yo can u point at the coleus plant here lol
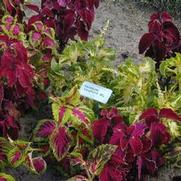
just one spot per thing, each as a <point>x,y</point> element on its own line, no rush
<point>70,135</point>
<point>81,61</point>
<point>16,81</point>
<point>71,17</point>
<point>19,153</point>
<point>71,119</point>
<point>68,17</point>
<point>171,69</point>
<point>18,8</point>
<point>138,143</point>
<point>43,49</point>
<point>163,38</point>
<point>134,83</point>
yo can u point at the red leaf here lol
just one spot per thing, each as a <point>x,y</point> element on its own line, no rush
<point>169,114</point>
<point>79,114</point>
<point>155,27</point>
<point>136,145</point>
<point>119,136</point>
<point>61,113</point>
<point>16,157</point>
<point>147,144</point>
<point>44,128</point>
<point>145,42</point>
<point>171,33</point>
<point>100,128</point>
<point>9,6</point>
<point>48,42</point>
<point>39,164</point>
<point>166,17</point>
<point>149,116</point>
<point>60,143</point>
<point>112,173</point>
<point>82,30</point>
<point>159,134</point>
<point>36,36</point>
<point>87,16</point>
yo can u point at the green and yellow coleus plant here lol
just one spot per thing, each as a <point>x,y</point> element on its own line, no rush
<point>82,61</point>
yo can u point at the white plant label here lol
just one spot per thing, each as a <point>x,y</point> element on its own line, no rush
<point>95,92</point>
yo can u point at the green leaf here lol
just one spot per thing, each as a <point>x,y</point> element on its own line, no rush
<point>37,164</point>
<point>55,110</point>
<point>5,146</point>
<point>99,157</point>
<point>171,68</point>
<point>55,67</point>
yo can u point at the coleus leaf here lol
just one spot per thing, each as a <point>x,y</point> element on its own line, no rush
<point>55,110</point>
<point>169,114</point>
<point>99,157</point>
<point>159,134</point>
<point>72,98</point>
<point>5,146</point>
<point>70,110</point>
<point>145,42</point>
<point>36,164</point>
<point>6,177</point>
<point>39,164</point>
<point>9,6</point>
<point>18,152</point>
<point>44,128</point>
<point>60,143</point>
<point>15,157</point>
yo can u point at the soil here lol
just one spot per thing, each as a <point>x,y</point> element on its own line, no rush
<point>128,23</point>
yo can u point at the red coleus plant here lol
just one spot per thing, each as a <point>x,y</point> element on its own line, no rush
<point>70,17</point>
<point>163,38</point>
<point>16,77</point>
<point>17,8</point>
<point>138,144</point>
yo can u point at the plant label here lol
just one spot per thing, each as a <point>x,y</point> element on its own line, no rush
<point>95,92</point>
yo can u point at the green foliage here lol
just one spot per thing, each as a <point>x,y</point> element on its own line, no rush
<point>82,61</point>
<point>134,87</point>
<point>138,87</point>
<point>134,83</point>
<point>171,69</point>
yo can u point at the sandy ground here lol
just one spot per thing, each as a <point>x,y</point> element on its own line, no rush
<point>127,24</point>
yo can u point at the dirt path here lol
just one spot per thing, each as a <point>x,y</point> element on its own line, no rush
<point>127,24</point>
